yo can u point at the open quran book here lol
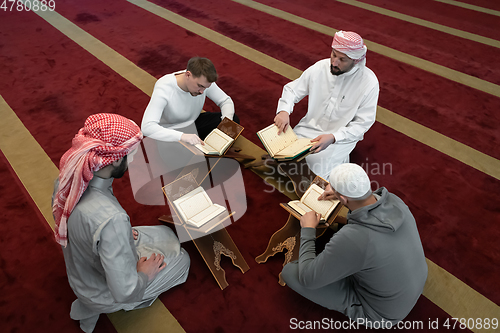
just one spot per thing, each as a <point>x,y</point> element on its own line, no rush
<point>284,146</point>
<point>216,143</point>
<point>196,207</point>
<point>221,138</point>
<point>309,202</point>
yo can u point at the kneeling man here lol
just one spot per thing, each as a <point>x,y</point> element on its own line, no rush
<point>373,269</point>
<point>110,265</point>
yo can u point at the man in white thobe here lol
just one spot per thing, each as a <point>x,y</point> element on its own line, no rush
<point>343,95</point>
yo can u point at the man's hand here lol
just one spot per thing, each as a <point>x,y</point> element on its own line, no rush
<point>310,220</point>
<point>135,233</point>
<point>152,266</point>
<point>282,120</point>
<point>192,139</point>
<point>328,194</point>
<point>321,142</point>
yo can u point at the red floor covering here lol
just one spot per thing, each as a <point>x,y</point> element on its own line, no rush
<point>53,86</point>
<point>487,4</point>
<point>35,292</point>
<point>416,94</point>
<point>456,17</point>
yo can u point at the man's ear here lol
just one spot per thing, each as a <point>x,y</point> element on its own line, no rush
<point>117,162</point>
<point>343,200</point>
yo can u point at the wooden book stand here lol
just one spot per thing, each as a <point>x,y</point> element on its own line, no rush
<point>288,237</point>
<point>212,239</point>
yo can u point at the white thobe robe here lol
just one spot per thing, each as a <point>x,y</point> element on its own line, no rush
<point>343,105</point>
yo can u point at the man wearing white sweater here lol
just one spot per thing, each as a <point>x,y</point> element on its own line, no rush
<point>177,102</point>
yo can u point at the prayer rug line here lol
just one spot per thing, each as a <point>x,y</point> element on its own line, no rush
<point>471,7</point>
<point>424,23</point>
<point>23,151</point>
<point>422,134</point>
<point>426,65</point>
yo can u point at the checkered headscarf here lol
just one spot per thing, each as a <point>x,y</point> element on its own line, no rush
<point>104,138</point>
<point>351,44</point>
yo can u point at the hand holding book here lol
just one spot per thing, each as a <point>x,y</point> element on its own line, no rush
<point>215,143</point>
<point>321,142</point>
<point>328,194</point>
<point>282,120</point>
<point>310,220</point>
<point>312,201</point>
<point>221,138</point>
<point>283,146</point>
<point>192,139</point>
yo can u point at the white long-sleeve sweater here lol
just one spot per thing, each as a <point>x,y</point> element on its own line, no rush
<point>172,108</point>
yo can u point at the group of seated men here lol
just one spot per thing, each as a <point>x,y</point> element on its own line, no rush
<point>373,268</point>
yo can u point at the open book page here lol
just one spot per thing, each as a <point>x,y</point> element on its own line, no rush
<point>295,148</point>
<point>299,207</point>
<point>192,203</point>
<point>206,149</point>
<point>206,215</point>
<point>274,142</point>
<point>196,208</point>
<point>324,207</point>
<point>218,140</point>
<point>215,143</point>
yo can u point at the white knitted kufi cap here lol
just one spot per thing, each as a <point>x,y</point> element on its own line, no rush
<point>350,179</point>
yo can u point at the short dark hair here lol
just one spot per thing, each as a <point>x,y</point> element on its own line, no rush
<point>199,66</point>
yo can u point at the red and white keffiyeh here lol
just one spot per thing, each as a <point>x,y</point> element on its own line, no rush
<point>105,138</point>
<point>351,44</point>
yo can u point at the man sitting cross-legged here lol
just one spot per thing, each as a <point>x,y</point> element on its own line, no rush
<point>373,269</point>
<point>110,265</point>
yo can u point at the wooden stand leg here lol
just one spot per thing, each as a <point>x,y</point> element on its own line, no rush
<point>287,238</point>
<point>222,237</point>
<point>212,246</point>
<point>292,245</point>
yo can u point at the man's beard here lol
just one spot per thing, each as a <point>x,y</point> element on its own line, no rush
<point>120,170</point>
<point>336,71</point>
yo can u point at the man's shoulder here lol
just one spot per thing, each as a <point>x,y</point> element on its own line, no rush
<point>352,237</point>
<point>355,229</point>
<point>318,68</point>
<point>94,203</point>
<point>369,75</point>
<point>166,85</point>
<point>320,64</point>
<point>166,80</point>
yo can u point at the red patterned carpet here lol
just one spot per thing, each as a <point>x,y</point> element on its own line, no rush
<point>52,84</point>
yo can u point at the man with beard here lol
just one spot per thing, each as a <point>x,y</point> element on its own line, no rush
<point>110,265</point>
<point>343,95</point>
<point>177,102</point>
<point>373,269</point>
